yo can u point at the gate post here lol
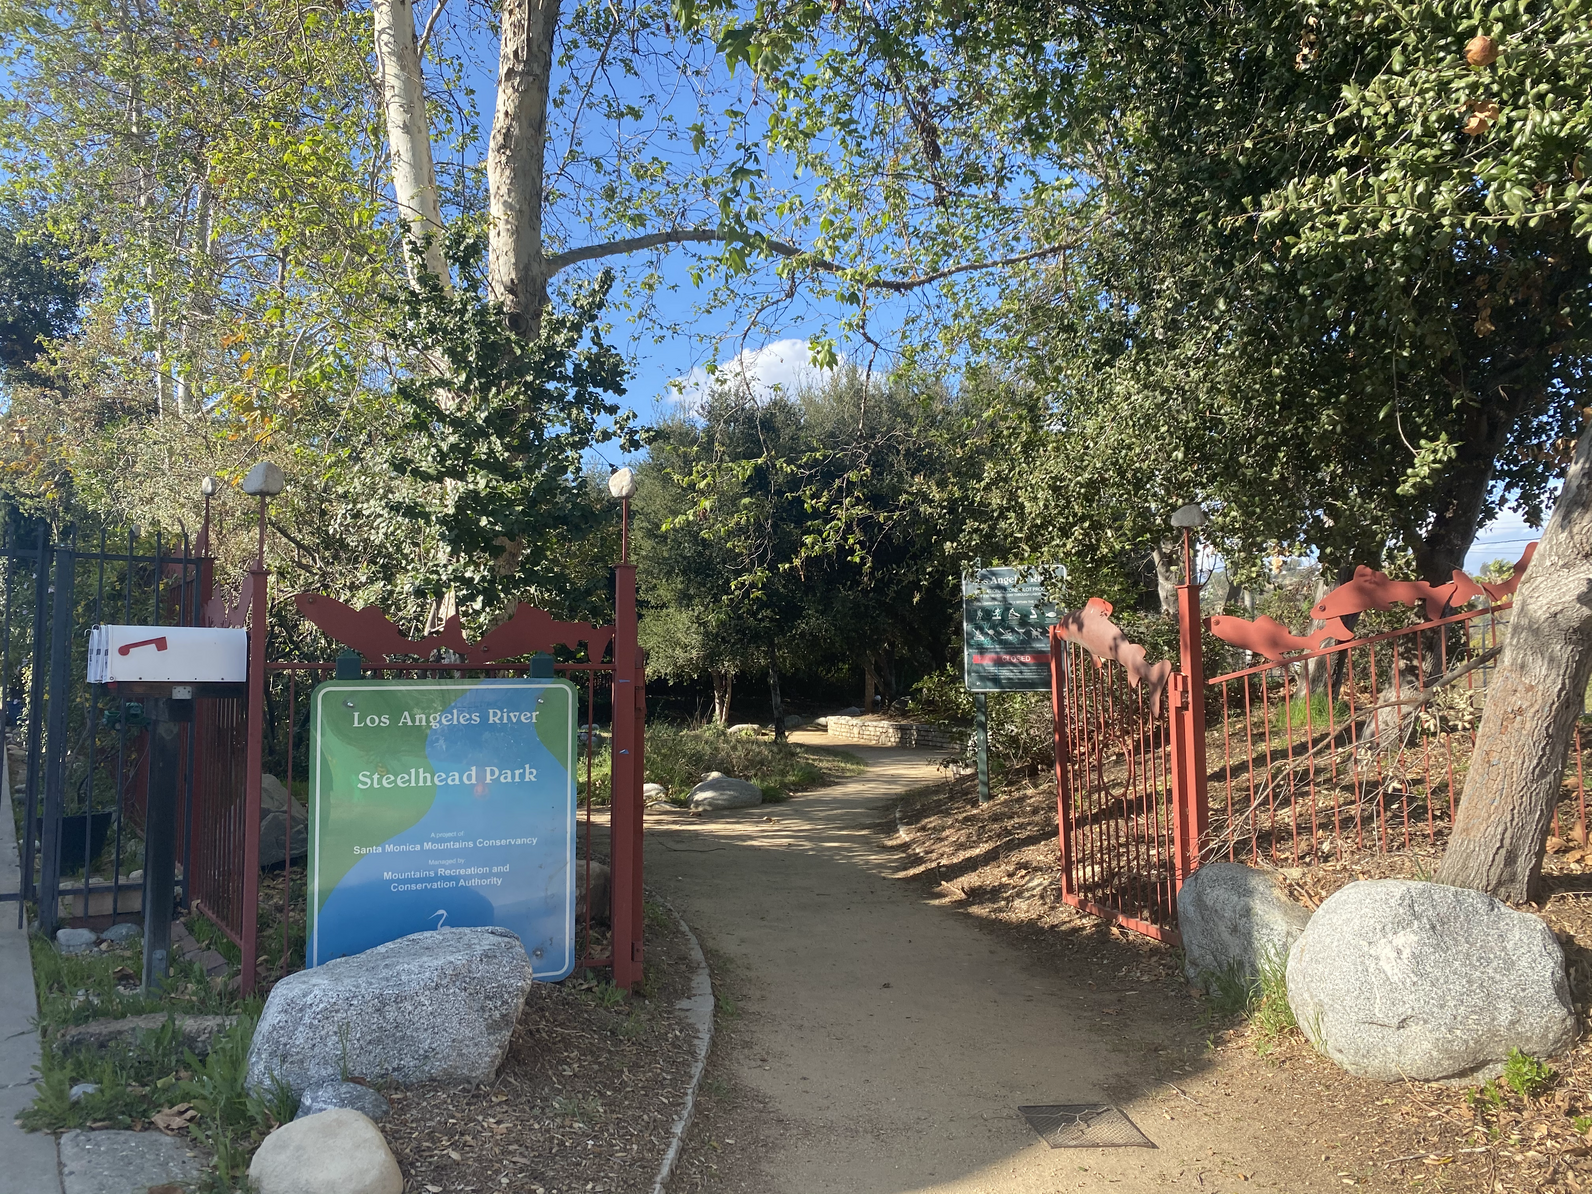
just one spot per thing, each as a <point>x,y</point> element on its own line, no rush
<point>625,825</point>
<point>1188,721</point>
<point>264,481</point>
<point>60,703</point>
<point>1058,705</point>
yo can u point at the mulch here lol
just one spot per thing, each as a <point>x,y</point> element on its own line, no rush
<point>585,1100</point>
<point>998,862</point>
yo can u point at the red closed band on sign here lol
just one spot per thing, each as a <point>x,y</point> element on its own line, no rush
<point>1045,658</point>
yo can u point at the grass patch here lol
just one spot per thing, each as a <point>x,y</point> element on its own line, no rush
<point>1262,1000</point>
<point>77,988</point>
<point>154,1071</point>
<point>1316,713</point>
<point>678,758</point>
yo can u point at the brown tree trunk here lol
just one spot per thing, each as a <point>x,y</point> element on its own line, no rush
<point>722,685</point>
<point>774,699</point>
<point>1165,558</point>
<point>870,683</point>
<point>1461,491</point>
<point>1532,706</point>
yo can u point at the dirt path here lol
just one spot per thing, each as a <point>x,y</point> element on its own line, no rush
<point>884,1044</point>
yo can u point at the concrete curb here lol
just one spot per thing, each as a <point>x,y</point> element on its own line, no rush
<point>698,1009</point>
<point>31,1161</point>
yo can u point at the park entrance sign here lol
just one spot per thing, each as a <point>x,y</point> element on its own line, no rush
<point>443,803</point>
<point>1007,614</point>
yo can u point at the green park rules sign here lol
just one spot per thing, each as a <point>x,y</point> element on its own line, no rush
<point>443,803</point>
<point>1007,614</point>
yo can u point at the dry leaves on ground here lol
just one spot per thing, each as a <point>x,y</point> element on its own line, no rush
<point>585,1101</point>
<point>999,862</point>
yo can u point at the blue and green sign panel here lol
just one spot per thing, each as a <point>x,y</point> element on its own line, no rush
<point>447,803</point>
<point>1007,614</point>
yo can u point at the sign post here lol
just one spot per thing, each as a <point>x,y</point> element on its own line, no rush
<point>443,804</point>
<point>1007,614</point>
<point>173,665</point>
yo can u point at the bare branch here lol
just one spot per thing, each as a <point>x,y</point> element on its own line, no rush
<point>680,236</point>
<point>431,23</point>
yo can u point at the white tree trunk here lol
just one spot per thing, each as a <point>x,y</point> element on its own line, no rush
<point>414,178</point>
<point>1532,706</point>
<point>517,265</point>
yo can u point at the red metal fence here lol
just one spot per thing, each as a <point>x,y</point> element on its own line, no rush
<point>1322,747</point>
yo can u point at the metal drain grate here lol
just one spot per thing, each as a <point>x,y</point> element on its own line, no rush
<point>1085,1125</point>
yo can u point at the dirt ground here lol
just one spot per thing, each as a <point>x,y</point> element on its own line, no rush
<point>586,1098</point>
<point>893,984</point>
<point>998,863</point>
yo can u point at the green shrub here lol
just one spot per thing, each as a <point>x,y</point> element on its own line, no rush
<point>678,758</point>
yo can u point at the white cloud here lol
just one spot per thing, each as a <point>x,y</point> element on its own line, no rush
<point>784,364</point>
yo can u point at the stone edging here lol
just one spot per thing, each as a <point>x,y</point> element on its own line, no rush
<point>698,1009</point>
<point>895,733</point>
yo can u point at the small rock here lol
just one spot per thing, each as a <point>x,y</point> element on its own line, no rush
<point>720,791</point>
<point>333,1152</point>
<point>650,792</point>
<point>196,1032</point>
<point>348,1095</point>
<point>275,804</point>
<point>125,1162</point>
<point>1234,921</point>
<point>124,933</point>
<point>81,1089</point>
<point>821,722</point>
<point>792,721</point>
<point>135,876</point>
<point>850,711</point>
<point>601,893</point>
<point>745,727</point>
<point>433,1006</point>
<point>213,963</point>
<point>1397,980</point>
<point>75,941</point>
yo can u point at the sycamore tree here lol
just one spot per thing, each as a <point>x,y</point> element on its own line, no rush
<point>206,168</point>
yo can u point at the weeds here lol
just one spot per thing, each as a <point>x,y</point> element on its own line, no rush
<point>76,988</point>
<point>153,1071</point>
<point>1263,1000</point>
<point>656,915</point>
<point>583,1108</point>
<point>1270,1013</point>
<point>1314,713</point>
<point>1526,1076</point>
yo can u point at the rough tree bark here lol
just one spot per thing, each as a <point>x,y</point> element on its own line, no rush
<point>774,699</point>
<point>1165,557</point>
<point>517,267</point>
<point>414,178</point>
<point>723,686</point>
<point>1462,488</point>
<point>1532,707</point>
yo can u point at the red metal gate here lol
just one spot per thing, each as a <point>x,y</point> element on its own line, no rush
<point>1327,744</point>
<point>1129,763</point>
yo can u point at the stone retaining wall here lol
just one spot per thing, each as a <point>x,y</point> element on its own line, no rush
<point>896,733</point>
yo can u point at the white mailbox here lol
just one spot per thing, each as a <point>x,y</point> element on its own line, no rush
<point>167,655</point>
